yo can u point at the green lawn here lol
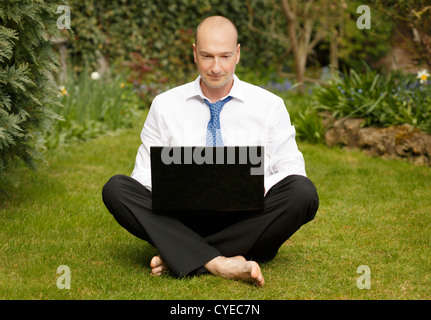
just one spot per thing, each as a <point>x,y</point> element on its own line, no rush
<point>373,212</point>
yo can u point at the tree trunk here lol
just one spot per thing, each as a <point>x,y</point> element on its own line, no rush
<point>291,29</point>
<point>333,52</point>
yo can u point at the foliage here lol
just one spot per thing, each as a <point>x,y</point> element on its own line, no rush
<point>92,106</point>
<point>113,29</point>
<point>381,100</point>
<point>357,45</point>
<point>26,87</point>
<point>415,16</point>
<point>146,76</point>
<point>325,34</point>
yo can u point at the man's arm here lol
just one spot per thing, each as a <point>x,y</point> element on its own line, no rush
<point>284,157</point>
<point>152,134</point>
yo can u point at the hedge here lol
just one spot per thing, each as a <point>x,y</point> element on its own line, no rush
<point>27,89</point>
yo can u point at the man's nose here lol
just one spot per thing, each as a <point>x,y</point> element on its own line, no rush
<point>216,68</point>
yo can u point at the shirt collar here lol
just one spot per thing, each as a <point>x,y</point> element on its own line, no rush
<point>235,92</point>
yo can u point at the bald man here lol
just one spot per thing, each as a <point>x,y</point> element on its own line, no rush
<point>226,245</point>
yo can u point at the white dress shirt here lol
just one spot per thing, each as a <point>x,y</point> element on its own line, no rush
<point>253,117</point>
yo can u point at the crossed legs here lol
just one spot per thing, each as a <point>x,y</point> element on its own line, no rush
<point>226,245</point>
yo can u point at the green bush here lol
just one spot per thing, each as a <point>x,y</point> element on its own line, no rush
<point>382,100</point>
<point>26,87</point>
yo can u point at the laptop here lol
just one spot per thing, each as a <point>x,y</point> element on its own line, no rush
<point>216,179</point>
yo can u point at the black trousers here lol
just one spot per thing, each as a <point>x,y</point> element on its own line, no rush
<point>187,241</point>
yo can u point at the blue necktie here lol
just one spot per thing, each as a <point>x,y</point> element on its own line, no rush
<point>214,137</point>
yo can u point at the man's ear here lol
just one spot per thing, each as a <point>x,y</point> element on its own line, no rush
<point>238,53</point>
<point>194,52</point>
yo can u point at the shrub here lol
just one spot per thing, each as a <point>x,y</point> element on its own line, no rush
<point>26,86</point>
<point>382,100</point>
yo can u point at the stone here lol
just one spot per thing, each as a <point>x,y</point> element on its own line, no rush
<point>396,142</point>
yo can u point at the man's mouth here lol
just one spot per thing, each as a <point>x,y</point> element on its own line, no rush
<point>215,77</point>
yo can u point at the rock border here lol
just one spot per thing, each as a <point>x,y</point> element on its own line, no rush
<point>396,142</point>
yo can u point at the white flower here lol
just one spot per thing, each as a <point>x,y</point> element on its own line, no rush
<point>95,75</point>
<point>423,75</point>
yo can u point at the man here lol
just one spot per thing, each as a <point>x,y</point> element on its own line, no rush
<point>226,245</point>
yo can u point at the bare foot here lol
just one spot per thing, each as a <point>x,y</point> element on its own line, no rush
<point>236,268</point>
<point>158,266</point>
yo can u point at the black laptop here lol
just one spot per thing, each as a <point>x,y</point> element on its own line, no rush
<point>226,179</point>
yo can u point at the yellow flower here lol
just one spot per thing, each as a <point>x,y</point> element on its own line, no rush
<point>423,75</point>
<point>122,85</point>
<point>63,91</point>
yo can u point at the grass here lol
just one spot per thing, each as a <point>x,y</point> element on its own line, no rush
<point>373,212</point>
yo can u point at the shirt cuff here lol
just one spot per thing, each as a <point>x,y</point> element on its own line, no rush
<point>277,177</point>
<point>142,180</point>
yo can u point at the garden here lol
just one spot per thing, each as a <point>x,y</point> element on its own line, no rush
<point>77,81</point>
